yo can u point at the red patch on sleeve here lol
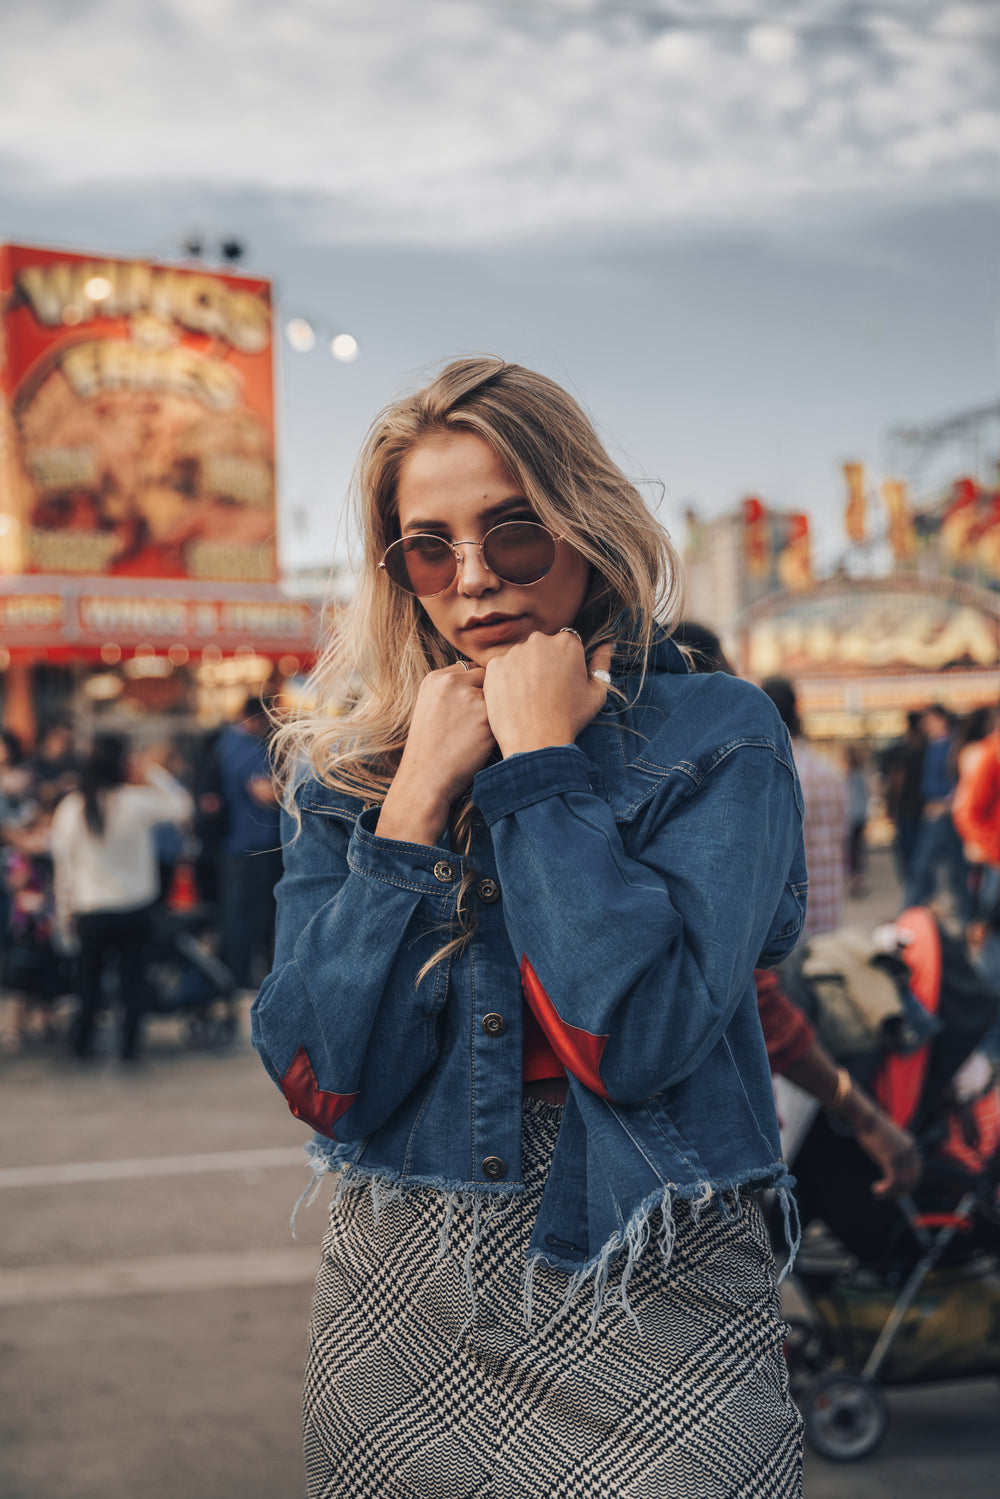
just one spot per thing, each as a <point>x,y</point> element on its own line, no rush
<point>579,1051</point>
<point>308,1101</point>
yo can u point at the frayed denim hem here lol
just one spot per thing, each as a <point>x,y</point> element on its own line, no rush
<point>386,1189</point>
<point>632,1240</point>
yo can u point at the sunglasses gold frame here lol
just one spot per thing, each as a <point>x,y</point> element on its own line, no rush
<point>459,556</point>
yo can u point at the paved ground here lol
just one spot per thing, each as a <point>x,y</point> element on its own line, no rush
<point>153,1303</point>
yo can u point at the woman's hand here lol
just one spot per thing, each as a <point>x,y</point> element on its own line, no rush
<point>541,691</point>
<point>449,740</point>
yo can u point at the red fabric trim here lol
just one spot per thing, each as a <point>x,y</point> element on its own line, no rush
<point>308,1101</point>
<point>580,1051</point>
<point>538,1060</point>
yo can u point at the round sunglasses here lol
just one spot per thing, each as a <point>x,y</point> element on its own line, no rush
<point>516,551</point>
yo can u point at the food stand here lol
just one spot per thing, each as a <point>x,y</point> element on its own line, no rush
<point>138,556</point>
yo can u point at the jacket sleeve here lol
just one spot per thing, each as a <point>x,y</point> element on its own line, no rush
<point>634,965</point>
<point>163,798</point>
<point>341,1023</point>
<point>787,1033</point>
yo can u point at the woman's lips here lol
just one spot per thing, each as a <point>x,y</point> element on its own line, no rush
<point>495,629</point>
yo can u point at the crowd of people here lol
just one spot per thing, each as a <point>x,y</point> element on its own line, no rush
<point>942,792</point>
<point>98,841</point>
<point>939,787</point>
<point>211,805</point>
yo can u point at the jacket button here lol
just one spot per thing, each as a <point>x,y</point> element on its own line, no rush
<point>494,1168</point>
<point>494,1025</point>
<point>444,872</point>
<point>488,891</point>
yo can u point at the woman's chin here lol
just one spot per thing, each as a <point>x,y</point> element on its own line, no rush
<point>482,654</point>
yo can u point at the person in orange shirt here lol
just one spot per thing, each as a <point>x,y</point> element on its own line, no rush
<point>975,810</point>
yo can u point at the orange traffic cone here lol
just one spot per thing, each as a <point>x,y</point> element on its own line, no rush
<point>183,891</point>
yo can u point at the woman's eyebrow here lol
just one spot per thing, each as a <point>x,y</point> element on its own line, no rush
<point>501,507</point>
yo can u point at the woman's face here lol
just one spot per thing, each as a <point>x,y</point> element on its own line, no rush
<point>454,486</point>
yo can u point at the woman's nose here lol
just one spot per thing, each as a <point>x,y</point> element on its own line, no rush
<point>474,577</point>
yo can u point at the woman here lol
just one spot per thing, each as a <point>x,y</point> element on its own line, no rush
<point>107,877</point>
<point>856,789</point>
<point>530,867</point>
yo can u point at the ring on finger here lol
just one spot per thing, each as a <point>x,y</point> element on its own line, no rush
<point>602,676</point>
<point>464,665</point>
<point>569,630</point>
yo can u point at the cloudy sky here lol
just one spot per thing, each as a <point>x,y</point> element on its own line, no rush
<point>752,236</point>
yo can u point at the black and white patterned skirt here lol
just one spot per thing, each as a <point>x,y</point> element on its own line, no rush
<point>405,1398</point>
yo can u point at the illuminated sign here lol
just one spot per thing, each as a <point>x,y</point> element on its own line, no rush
<point>137,426</point>
<point>880,630</point>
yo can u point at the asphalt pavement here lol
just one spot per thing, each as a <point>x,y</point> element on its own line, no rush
<point>153,1302</point>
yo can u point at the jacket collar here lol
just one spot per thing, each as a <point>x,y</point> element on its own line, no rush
<point>664,654</point>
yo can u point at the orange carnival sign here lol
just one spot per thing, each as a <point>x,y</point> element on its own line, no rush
<point>137,419</point>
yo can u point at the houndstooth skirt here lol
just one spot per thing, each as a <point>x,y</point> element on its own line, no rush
<point>406,1398</point>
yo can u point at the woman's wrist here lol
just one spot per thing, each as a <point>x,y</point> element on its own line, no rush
<point>547,735</point>
<point>412,818</point>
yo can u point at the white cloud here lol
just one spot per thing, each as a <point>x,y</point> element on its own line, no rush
<point>772,45</point>
<point>449,122</point>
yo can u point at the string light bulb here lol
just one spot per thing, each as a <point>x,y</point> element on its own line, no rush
<point>344,346</point>
<point>300,335</point>
<point>97,289</point>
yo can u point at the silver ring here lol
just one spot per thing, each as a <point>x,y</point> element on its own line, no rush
<point>464,665</point>
<point>602,676</point>
<point>569,630</point>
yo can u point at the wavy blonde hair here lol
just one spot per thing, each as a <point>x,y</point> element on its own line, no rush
<point>364,686</point>
<point>365,683</point>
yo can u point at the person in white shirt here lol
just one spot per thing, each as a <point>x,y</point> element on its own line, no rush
<point>106,875</point>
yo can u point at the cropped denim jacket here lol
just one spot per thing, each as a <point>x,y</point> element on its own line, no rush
<point>625,886</point>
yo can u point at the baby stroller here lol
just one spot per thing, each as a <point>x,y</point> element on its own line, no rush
<point>900,1292</point>
<point>182,976</point>
<point>31,969</point>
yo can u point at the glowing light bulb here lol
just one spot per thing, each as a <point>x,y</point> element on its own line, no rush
<point>97,289</point>
<point>345,348</point>
<point>300,335</point>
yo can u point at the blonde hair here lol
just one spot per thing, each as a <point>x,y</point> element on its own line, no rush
<point>364,686</point>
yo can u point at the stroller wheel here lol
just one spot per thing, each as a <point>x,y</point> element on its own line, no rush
<point>806,1353</point>
<point>845,1416</point>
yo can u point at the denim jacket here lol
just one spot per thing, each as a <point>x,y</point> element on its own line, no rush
<point>625,886</point>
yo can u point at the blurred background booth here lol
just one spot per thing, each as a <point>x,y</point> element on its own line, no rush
<point>139,578</point>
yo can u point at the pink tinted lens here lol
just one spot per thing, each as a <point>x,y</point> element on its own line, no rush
<point>423,565</point>
<point>519,552</point>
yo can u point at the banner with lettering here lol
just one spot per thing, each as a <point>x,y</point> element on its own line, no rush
<point>776,548</point>
<point>137,420</point>
<point>758,545</point>
<point>902,532</point>
<point>856,511</point>
<point>86,620</point>
<point>878,627</point>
